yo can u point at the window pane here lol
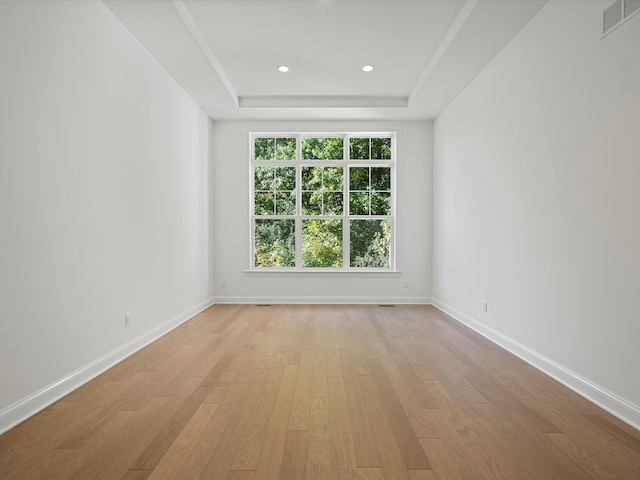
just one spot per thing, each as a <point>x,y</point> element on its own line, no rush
<point>381,203</point>
<point>333,148</point>
<point>381,148</point>
<point>312,203</point>
<point>314,178</point>
<point>263,178</point>
<point>311,178</point>
<point>359,178</point>
<point>285,178</point>
<point>263,204</point>
<point>369,243</point>
<point>311,148</point>
<point>320,148</point>
<point>285,203</point>
<point>275,243</point>
<point>359,148</point>
<point>381,178</point>
<point>333,203</point>
<point>285,149</point>
<point>321,243</point>
<point>322,190</point>
<point>264,148</point>
<point>332,178</point>
<point>359,203</point>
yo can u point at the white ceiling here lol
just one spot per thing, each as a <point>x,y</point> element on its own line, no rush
<point>225,53</point>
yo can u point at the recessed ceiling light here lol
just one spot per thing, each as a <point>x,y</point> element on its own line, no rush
<point>283,68</point>
<point>367,68</point>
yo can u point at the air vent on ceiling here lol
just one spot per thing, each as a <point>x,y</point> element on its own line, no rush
<point>618,13</point>
<point>630,7</point>
<point>612,16</point>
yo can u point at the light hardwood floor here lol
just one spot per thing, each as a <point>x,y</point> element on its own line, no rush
<point>246,392</point>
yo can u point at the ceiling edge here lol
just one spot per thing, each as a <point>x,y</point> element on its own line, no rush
<point>204,46</point>
<point>447,40</point>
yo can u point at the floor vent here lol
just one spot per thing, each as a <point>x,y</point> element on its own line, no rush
<point>618,13</point>
<point>263,305</point>
<point>386,305</point>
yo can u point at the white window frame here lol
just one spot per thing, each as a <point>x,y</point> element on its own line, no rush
<point>345,163</point>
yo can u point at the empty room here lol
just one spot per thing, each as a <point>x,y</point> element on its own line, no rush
<point>319,239</point>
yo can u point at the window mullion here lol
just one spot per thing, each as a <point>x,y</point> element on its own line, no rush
<point>345,212</point>
<point>252,216</point>
<point>298,242</point>
<point>345,243</point>
<point>298,216</point>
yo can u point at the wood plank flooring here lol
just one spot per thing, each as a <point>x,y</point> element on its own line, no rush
<point>295,392</point>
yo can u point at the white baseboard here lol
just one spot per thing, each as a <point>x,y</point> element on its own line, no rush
<point>32,404</point>
<point>617,406</point>
<point>325,300</point>
<point>37,401</point>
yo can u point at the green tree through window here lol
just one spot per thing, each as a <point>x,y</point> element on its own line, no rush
<point>322,201</point>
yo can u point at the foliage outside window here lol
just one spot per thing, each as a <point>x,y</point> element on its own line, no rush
<point>322,201</point>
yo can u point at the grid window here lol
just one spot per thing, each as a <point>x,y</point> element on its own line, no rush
<point>322,190</point>
<point>274,189</point>
<point>322,201</point>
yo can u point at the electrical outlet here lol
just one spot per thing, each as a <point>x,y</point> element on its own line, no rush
<point>223,284</point>
<point>485,307</point>
<point>406,284</point>
<point>127,319</point>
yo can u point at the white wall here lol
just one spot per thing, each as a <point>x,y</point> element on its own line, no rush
<point>536,201</point>
<point>231,221</point>
<point>104,200</point>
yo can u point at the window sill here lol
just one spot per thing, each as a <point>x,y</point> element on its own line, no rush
<point>324,273</point>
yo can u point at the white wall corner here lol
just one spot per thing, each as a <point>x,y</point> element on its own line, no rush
<point>612,403</point>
